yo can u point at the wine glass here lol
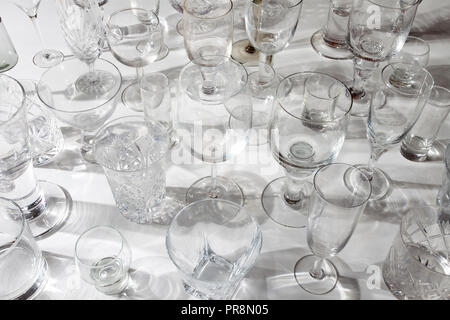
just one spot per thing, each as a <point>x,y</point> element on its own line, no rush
<point>47,57</point>
<point>334,213</point>
<point>136,39</point>
<point>306,131</point>
<point>377,30</point>
<point>203,127</point>
<point>393,112</point>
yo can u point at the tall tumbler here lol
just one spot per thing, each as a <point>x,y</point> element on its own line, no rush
<point>8,54</point>
<point>418,142</point>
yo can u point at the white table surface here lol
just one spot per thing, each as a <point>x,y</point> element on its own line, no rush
<point>154,276</point>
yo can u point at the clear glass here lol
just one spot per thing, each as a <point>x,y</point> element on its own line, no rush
<point>103,258</point>
<point>8,54</point>
<point>136,39</point>
<point>58,91</point>
<point>213,243</point>
<point>202,121</point>
<point>377,30</point>
<point>208,28</point>
<point>418,264</point>
<point>419,140</point>
<point>307,130</point>
<point>340,195</point>
<point>393,112</point>
<point>45,205</point>
<point>443,197</point>
<point>23,269</point>
<point>178,5</point>
<point>331,41</point>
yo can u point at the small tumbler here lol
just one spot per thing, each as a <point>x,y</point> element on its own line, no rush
<point>418,142</point>
<point>8,54</point>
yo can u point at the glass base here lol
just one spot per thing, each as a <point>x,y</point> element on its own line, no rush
<point>115,288</point>
<point>47,58</point>
<point>95,83</point>
<point>241,53</point>
<point>380,183</point>
<point>58,205</point>
<point>226,189</point>
<point>38,285</point>
<point>315,285</point>
<point>324,49</point>
<point>278,209</point>
<point>180,28</point>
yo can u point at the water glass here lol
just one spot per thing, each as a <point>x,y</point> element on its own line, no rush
<point>418,264</point>
<point>23,269</point>
<point>103,257</point>
<point>419,140</point>
<point>8,54</point>
<point>213,243</point>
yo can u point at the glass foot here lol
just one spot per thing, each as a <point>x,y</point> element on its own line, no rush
<point>58,207</point>
<point>95,83</point>
<point>131,97</point>
<point>315,285</point>
<point>243,52</point>
<point>324,49</point>
<point>47,58</point>
<point>380,183</point>
<point>225,189</point>
<point>278,209</point>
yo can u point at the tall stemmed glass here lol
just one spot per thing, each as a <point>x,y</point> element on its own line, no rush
<point>306,131</point>
<point>203,126</point>
<point>136,39</point>
<point>46,57</point>
<point>334,213</point>
<point>45,205</point>
<point>377,30</point>
<point>393,112</point>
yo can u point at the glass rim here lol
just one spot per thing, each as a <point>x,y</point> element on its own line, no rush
<point>19,234</point>
<point>117,12</point>
<point>346,113</point>
<point>122,244</point>
<point>416,3</point>
<point>261,4</point>
<point>388,85</point>
<point>349,166</point>
<point>22,106</point>
<point>427,45</point>
<point>80,111</point>
<point>207,18</point>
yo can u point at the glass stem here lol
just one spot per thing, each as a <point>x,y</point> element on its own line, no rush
<point>362,71</point>
<point>91,66</point>
<point>375,154</point>
<point>213,192</point>
<point>38,30</point>
<point>317,270</point>
<point>294,188</point>
<point>263,60</point>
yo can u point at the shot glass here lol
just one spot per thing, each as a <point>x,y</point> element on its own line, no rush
<point>103,257</point>
<point>418,142</point>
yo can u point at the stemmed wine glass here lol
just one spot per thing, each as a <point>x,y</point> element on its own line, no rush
<point>306,131</point>
<point>136,40</point>
<point>377,30</point>
<point>46,57</point>
<point>203,126</point>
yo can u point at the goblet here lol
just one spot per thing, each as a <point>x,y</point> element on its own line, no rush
<point>334,212</point>
<point>202,124</point>
<point>377,30</point>
<point>45,205</point>
<point>393,112</point>
<point>331,41</point>
<point>88,112</point>
<point>136,39</point>
<point>47,57</point>
<point>306,131</point>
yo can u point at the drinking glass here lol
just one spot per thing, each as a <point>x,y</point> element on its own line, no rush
<point>132,153</point>
<point>85,111</point>
<point>335,208</point>
<point>8,54</point>
<point>377,30</point>
<point>418,264</point>
<point>23,269</point>
<point>271,25</point>
<point>331,41</point>
<point>202,120</point>
<point>393,112</point>
<point>103,257</point>
<point>419,140</point>
<point>45,205</point>
<point>208,28</point>
<point>213,243</point>
<point>136,39</point>
<point>45,58</point>
<point>306,131</point>
<point>178,5</point>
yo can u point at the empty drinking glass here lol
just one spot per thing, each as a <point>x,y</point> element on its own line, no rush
<point>103,257</point>
<point>8,54</point>
<point>419,140</point>
<point>213,243</point>
<point>340,195</point>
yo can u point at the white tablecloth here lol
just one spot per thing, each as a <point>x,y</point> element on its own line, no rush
<point>153,275</point>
